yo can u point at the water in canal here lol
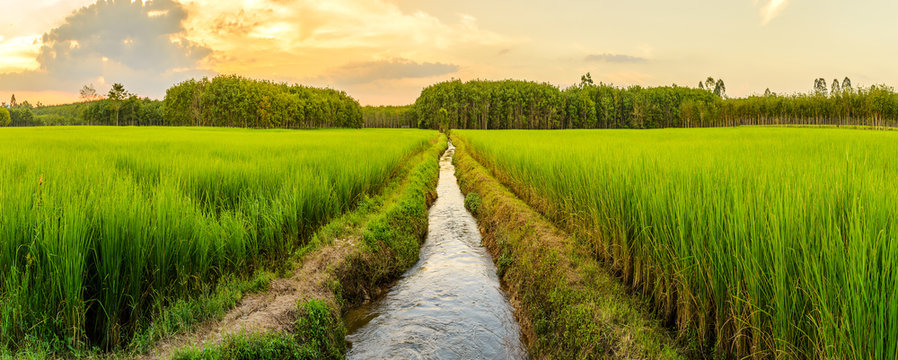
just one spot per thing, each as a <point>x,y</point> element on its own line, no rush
<point>450,304</point>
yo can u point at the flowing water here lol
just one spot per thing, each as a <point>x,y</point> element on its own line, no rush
<point>450,304</point>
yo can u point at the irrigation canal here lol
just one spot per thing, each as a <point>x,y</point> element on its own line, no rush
<point>450,304</point>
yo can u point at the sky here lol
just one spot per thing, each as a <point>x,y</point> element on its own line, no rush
<point>384,52</point>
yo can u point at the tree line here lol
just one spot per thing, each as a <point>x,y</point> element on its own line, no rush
<point>234,101</point>
<point>841,105</point>
<point>389,116</point>
<point>512,104</point>
<point>230,101</point>
<point>16,113</point>
<point>133,111</point>
<point>119,107</point>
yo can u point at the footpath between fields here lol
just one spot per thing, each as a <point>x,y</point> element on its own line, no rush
<point>346,263</point>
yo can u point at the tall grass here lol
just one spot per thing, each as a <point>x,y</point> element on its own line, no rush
<point>100,226</point>
<point>768,243</point>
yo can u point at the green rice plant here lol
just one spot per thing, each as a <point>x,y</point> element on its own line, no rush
<point>766,242</point>
<point>101,227</point>
<point>314,337</point>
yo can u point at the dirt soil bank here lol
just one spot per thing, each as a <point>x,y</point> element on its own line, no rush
<point>568,305</point>
<point>354,258</point>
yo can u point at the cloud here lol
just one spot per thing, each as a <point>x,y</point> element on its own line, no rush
<point>374,49</point>
<point>18,54</point>
<point>770,9</point>
<point>148,45</point>
<point>366,72</point>
<point>616,58</point>
<point>305,39</point>
<point>139,44</point>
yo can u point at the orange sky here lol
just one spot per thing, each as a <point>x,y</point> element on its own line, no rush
<point>386,51</point>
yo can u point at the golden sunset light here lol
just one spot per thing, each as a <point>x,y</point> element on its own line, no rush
<point>386,51</point>
<point>462,179</point>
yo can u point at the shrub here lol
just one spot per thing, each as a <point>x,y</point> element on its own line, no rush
<point>472,203</point>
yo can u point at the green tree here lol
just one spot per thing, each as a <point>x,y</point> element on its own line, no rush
<point>230,100</point>
<point>720,89</point>
<point>22,116</point>
<point>4,117</point>
<point>88,92</point>
<point>117,95</point>
<point>835,88</point>
<point>710,83</point>
<point>443,120</point>
<point>586,80</point>
<point>820,87</point>
<point>12,101</point>
<point>846,84</point>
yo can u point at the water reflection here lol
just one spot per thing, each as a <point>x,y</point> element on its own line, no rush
<point>449,305</point>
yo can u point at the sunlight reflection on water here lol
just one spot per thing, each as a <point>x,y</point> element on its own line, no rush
<point>450,304</point>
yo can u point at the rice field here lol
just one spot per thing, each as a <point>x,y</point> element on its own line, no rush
<point>99,227</point>
<point>759,242</point>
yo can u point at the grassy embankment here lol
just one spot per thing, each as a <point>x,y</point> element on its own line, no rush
<point>568,305</point>
<point>384,234</point>
<point>111,232</point>
<point>764,243</point>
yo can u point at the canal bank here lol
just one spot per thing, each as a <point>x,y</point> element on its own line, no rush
<point>450,304</point>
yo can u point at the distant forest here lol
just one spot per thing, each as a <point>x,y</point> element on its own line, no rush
<point>514,104</point>
<point>235,101</point>
<point>390,116</point>
<point>227,101</point>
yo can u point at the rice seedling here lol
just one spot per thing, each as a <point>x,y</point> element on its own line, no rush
<point>766,242</point>
<point>99,227</point>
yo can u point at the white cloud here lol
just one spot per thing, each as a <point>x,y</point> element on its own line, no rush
<point>18,54</point>
<point>138,44</point>
<point>149,45</point>
<point>308,38</point>
<point>371,71</point>
<point>770,9</point>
